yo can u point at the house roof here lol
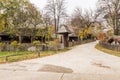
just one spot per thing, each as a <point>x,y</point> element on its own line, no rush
<point>64,29</point>
<point>72,35</point>
<point>3,34</point>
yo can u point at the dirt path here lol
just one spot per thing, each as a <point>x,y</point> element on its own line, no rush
<point>83,59</point>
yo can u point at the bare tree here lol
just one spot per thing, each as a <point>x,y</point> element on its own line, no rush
<point>84,21</point>
<point>78,21</point>
<point>111,10</point>
<point>81,20</point>
<point>56,8</point>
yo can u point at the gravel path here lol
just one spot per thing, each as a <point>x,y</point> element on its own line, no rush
<point>83,59</point>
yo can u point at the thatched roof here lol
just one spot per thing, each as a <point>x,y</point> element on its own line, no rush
<point>64,29</point>
<point>4,34</point>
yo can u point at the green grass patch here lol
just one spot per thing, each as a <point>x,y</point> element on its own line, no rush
<point>111,52</point>
<point>19,56</point>
<point>11,53</point>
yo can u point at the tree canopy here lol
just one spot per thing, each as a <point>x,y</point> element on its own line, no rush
<point>19,14</point>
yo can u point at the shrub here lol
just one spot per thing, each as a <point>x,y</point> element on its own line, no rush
<point>2,46</point>
<point>15,45</point>
<point>54,44</point>
<point>19,45</point>
<point>36,43</point>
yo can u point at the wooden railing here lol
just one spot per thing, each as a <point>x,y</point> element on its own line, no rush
<point>113,47</point>
<point>80,42</point>
<point>6,57</point>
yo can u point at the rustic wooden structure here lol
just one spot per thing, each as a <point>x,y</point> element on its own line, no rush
<point>64,31</point>
<point>109,46</point>
<point>4,37</point>
<point>115,39</point>
<point>112,43</point>
<point>22,38</point>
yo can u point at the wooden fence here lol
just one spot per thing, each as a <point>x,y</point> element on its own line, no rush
<point>80,42</point>
<point>6,57</point>
<point>113,47</point>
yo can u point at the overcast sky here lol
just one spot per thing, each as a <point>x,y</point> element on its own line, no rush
<point>71,4</point>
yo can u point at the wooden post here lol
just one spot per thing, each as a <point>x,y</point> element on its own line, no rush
<point>65,40</point>
<point>38,53</point>
<point>6,58</point>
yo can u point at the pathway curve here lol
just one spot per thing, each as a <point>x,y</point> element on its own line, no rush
<point>82,62</point>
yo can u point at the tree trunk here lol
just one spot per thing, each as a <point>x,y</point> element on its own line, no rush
<point>116,31</point>
<point>32,39</point>
<point>55,28</point>
<point>20,39</point>
<point>65,40</point>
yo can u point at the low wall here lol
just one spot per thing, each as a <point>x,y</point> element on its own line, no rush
<point>30,47</point>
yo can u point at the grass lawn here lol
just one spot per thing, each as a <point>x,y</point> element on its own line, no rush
<point>115,53</point>
<point>10,53</point>
<point>25,55</point>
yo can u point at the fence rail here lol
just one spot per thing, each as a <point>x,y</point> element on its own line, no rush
<point>6,57</point>
<point>113,47</point>
<point>80,42</point>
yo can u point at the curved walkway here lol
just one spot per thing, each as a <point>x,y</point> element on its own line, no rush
<point>83,62</point>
